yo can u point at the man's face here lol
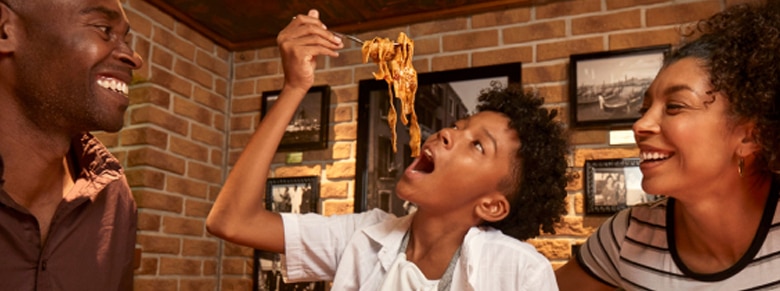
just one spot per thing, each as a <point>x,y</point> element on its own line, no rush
<point>73,65</point>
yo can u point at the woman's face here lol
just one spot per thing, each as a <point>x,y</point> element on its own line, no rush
<point>684,136</point>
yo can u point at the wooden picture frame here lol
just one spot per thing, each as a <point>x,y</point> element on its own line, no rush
<point>308,130</point>
<point>612,185</point>
<point>607,88</point>
<point>294,195</point>
<point>442,98</point>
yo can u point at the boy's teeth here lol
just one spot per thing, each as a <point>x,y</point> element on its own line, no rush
<point>428,153</point>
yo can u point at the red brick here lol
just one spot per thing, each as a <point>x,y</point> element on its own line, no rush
<point>567,8</point>
<point>644,38</point>
<point>155,158</point>
<point>189,149</point>
<point>147,93</point>
<point>148,221</point>
<point>564,49</point>
<point>206,284</point>
<point>501,17</point>
<point>166,39</point>
<point>171,81</point>
<point>144,136</point>
<point>450,62</point>
<point>618,4</point>
<point>606,22</point>
<point>182,225</point>
<point>186,187</point>
<point>193,208</point>
<point>156,284</point>
<point>207,135</point>
<point>160,117</point>
<point>158,201</point>
<point>534,31</point>
<point>470,40</point>
<point>199,248</point>
<point>210,99</point>
<point>177,266</point>
<point>257,69</point>
<point>194,73</point>
<point>191,110</point>
<point>142,177</point>
<point>544,74</point>
<point>681,13</point>
<point>155,244</point>
<point>501,56</point>
<point>204,172</point>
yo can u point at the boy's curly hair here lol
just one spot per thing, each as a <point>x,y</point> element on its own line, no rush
<point>740,47</point>
<point>537,184</point>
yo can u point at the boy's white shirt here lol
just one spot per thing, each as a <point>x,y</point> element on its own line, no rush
<point>355,251</point>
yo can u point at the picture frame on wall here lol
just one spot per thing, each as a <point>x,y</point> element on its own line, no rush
<point>285,195</point>
<point>607,88</point>
<point>308,129</point>
<point>612,185</point>
<point>442,98</point>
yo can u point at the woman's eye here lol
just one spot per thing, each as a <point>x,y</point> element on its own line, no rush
<point>673,108</point>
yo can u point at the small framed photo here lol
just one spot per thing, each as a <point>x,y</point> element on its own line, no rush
<point>308,129</point>
<point>293,195</point>
<point>607,88</point>
<point>613,185</point>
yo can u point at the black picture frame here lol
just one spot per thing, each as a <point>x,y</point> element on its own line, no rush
<point>295,195</point>
<point>442,98</point>
<point>607,88</point>
<point>612,185</point>
<point>308,130</point>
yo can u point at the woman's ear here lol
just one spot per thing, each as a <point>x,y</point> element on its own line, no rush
<point>747,145</point>
<point>493,208</point>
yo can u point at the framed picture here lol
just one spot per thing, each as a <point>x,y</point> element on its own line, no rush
<point>308,129</point>
<point>612,185</point>
<point>294,195</point>
<point>607,88</point>
<point>442,98</point>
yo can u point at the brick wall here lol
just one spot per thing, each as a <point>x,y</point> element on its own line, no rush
<point>194,106</point>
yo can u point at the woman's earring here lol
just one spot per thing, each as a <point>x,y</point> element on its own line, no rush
<point>741,165</point>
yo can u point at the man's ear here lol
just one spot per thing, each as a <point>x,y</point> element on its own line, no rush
<point>7,34</point>
<point>492,208</point>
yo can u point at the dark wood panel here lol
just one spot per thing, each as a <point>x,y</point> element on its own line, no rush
<point>248,24</point>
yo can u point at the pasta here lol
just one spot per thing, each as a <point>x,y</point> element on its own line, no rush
<point>395,67</point>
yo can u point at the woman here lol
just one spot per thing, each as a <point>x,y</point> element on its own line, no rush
<point>709,139</point>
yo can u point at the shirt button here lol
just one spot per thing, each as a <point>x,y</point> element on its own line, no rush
<point>43,265</point>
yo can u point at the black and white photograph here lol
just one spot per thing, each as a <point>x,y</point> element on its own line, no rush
<point>612,185</point>
<point>607,88</point>
<point>442,98</point>
<point>308,129</point>
<point>285,195</point>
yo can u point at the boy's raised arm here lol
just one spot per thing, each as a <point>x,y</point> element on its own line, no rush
<point>239,214</point>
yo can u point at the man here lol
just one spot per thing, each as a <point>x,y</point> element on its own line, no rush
<point>67,217</point>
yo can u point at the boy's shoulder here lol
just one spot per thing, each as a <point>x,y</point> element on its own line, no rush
<point>494,241</point>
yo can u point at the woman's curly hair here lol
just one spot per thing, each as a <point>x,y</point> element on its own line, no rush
<point>537,185</point>
<point>740,47</point>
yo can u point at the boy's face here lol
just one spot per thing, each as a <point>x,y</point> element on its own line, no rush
<point>72,63</point>
<point>460,164</point>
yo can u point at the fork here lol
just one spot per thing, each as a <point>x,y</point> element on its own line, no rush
<point>353,38</point>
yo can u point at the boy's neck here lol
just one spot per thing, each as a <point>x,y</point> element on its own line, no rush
<point>432,243</point>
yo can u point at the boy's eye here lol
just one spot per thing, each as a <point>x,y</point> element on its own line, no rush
<point>479,147</point>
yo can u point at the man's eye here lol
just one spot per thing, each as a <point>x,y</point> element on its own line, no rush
<point>479,147</point>
<point>104,28</point>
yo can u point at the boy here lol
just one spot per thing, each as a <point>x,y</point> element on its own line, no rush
<point>468,182</point>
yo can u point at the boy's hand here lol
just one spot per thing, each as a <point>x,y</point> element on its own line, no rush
<point>300,43</point>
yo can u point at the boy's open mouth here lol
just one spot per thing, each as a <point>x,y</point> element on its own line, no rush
<point>425,162</point>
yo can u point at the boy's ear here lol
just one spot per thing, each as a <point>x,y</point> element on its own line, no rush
<point>493,208</point>
<point>7,37</point>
